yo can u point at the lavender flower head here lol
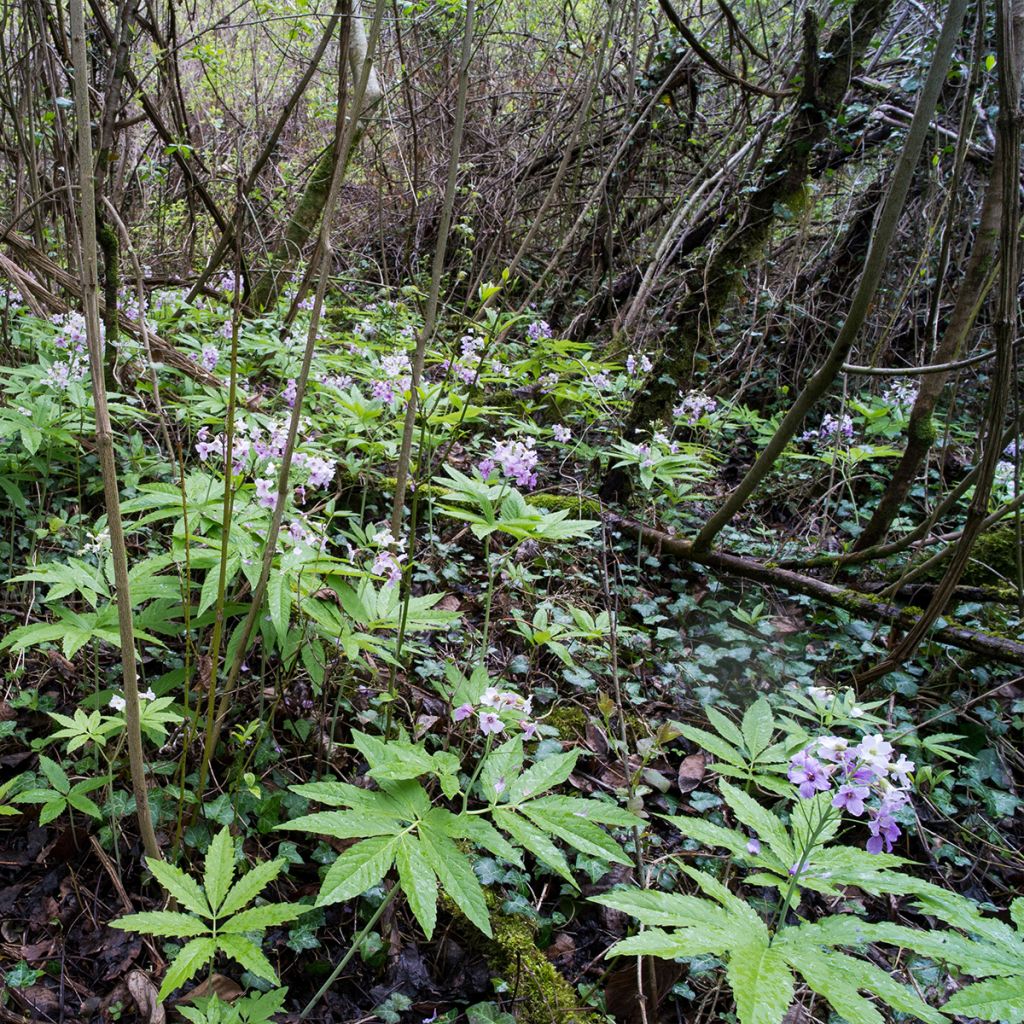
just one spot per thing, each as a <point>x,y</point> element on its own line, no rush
<point>538,330</point>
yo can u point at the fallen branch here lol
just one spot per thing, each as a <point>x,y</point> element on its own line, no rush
<point>985,644</point>
<point>31,258</point>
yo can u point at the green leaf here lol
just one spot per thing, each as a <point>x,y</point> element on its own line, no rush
<point>762,983</point>
<point>542,776</point>
<point>713,744</point>
<point>672,909</point>
<point>577,832</point>
<point>457,878</point>
<point>724,726</point>
<point>832,983</point>
<point>479,830</point>
<point>84,804</point>
<point>256,919</point>
<point>52,810</point>
<point>533,839</point>
<point>219,868</point>
<point>54,774</point>
<point>162,922</point>
<point>181,886</point>
<point>249,955</point>
<point>418,883</point>
<point>359,868</point>
<point>249,886</point>
<point>279,602</point>
<point>760,820</point>
<point>708,834</point>
<point>360,824</point>
<point>192,956</point>
<point>503,764</point>
<point>758,726</point>
<point>1000,999</point>
<point>593,810</point>
<point>667,945</point>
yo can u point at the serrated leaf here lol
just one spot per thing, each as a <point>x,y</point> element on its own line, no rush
<point>758,726</point>
<point>724,726</point>
<point>833,984</point>
<point>593,810</point>
<point>531,838</point>
<point>709,834</point>
<point>182,887</point>
<point>219,868</point>
<point>256,919</point>
<point>249,955</point>
<point>418,883</point>
<point>84,804</point>
<point>759,820</point>
<point>542,776</point>
<point>191,957</point>
<point>163,923</point>
<point>656,942</point>
<point>359,868</point>
<point>1000,999</point>
<point>479,830</point>
<point>361,824</point>
<point>279,603</point>
<point>457,878</point>
<point>713,744</point>
<point>762,983</point>
<point>55,775</point>
<point>249,886</point>
<point>503,763</point>
<point>577,832</point>
<point>52,810</point>
<point>669,909</point>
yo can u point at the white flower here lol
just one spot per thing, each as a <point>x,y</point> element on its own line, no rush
<point>117,702</point>
<point>875,752</point>
<point>901,769</point>
<point>832,747</point>
<point>147,695</point>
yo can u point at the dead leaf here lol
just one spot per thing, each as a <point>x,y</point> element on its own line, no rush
<point>562,948</point>
<point>144,992</point>
<point>216,985</point>
<point>449,603</point>
<point>691,771</point>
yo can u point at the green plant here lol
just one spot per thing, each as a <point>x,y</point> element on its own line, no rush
<point>745,751</point>
<point>402,825</point>
<point>214,921</point>
<point>61,794</point>
<point>256,1008</point>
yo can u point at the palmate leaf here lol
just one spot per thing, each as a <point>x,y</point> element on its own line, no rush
<point>162,922</point>
<point>477,829</point>
<point>249,955</point>
<point>761,821</point>
<point>833,984</point>
<point>257,919</point>
<point>181,886</point>
<point>577,832</point>
<point>456,875</point>
<point>249,886</point>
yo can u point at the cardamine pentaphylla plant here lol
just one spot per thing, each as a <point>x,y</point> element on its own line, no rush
<point>427,812</point>
<point>214,920</point>
<point>834,780</point>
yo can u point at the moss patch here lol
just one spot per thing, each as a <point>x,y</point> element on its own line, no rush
<point>993,557</point>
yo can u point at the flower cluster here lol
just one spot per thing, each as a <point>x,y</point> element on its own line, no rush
<point>693,406</point>
<point>537,331</point>
<point>489,710</point>
<point>561,433</point>
<point>1005,478</point>
<point>70,340</point>
<point>832,429</point>
<point>255,452</point>
<point>118,703</point>
<point>389,557</point>
<point>11,296</point>
<point>395,378</point>
<point>644,365</point>
<point>900,395</point>
<point>517,460</point>
<point>858,774</point>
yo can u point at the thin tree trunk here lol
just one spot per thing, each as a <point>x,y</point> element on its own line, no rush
<point>105,435</point>
<point>977,279</point>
